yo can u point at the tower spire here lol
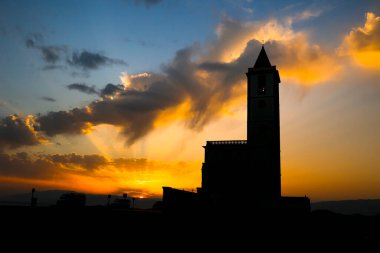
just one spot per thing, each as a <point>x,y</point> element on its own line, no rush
<point>262,61</point>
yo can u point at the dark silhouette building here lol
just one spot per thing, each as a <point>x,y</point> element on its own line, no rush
<point>237,171</point>
<point>72,199</point>
<point>178,200</point>
<point>122,203</point>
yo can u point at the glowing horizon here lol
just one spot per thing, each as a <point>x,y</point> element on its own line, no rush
<point>129,110</point>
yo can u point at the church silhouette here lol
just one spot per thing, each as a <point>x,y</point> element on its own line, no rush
<point>241,173</point>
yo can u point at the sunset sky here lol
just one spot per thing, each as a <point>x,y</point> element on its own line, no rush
<point>120,96</point>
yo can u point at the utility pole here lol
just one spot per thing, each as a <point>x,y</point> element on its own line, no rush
<point>33,202</point>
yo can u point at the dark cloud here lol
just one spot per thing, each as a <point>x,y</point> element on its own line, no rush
<point>215,66</point>
<point>233,72</point>
<point>49,99</point>
<point>21,165</point>
<point>60,57</point>
<point>82,88</point>
<point>136,108</point>
<point>89,162</point>
<point>147,3</point>
<point>108,91</point>
<point>87,60</point>
<point>204,81</point>
<point>111,89</point>
<point>16,132</point>
<point>64,122</point>
<point>33,40</point>
<point>48,166</point>
<point>54,67</point>
<point>50,54</point>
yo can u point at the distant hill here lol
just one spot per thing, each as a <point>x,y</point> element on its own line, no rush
<point>359,206</point>
<point>49,198</point>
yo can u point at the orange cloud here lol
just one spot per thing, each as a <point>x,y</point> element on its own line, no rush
<point>233,36</point>
<point>298,59</point>
<point>96,174</point>
<point>362,44</point>
<point>172,114</point>
<point>303,62</point>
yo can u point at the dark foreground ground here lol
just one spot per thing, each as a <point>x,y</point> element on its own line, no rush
<point>144,228</point>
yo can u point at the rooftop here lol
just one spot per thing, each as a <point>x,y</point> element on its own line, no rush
<point>230,142</point>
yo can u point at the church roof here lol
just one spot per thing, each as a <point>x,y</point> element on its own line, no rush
<point>262,61</point>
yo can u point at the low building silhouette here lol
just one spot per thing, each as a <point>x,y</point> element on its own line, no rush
<point>241,171</point>
<point>72,199</point>
<point>179,200</point>
<point>122,203</point>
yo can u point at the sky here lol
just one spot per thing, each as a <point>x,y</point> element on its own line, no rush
<point>120,96</point>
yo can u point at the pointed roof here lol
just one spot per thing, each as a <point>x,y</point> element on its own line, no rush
<point>262,61</point>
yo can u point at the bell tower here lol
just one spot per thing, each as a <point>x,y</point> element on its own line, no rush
<point>246,171</point>
<point>263,122</point>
